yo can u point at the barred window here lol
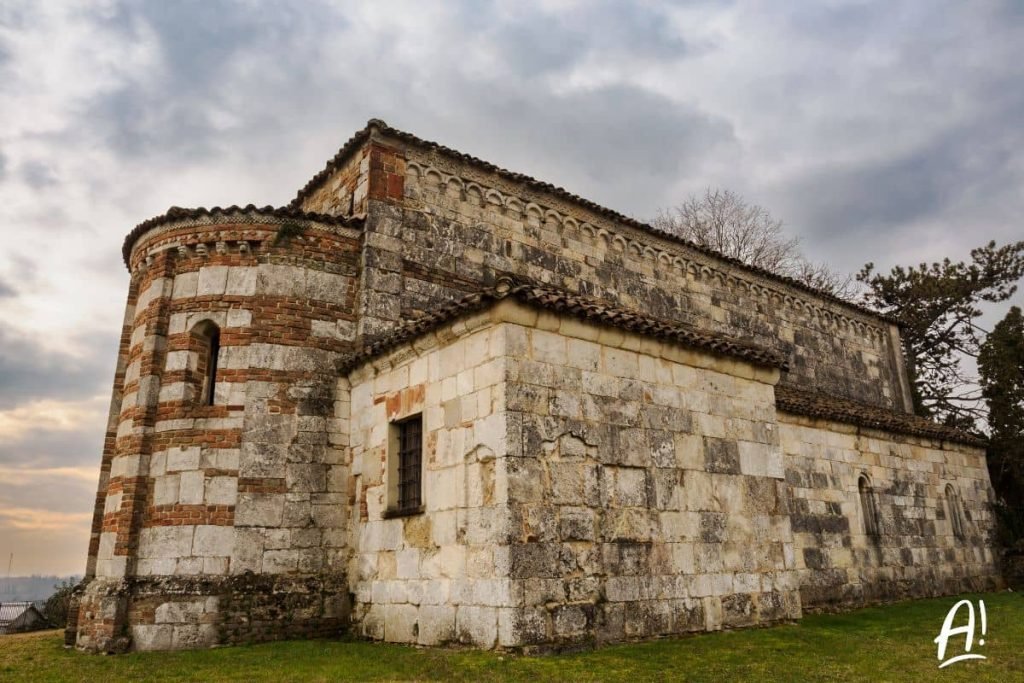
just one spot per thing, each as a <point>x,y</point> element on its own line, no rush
<point>867,506</point>
<point>410,464</point>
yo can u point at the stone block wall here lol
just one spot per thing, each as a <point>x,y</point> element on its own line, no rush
<point>253,483</point>
<point>110,435</point>
<point>646,487</point>
<point>581,485</point>
<point>915,552</point>
<point>441,576</point>
<point>438,226</point>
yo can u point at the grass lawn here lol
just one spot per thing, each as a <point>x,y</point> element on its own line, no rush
<point>892,643</point>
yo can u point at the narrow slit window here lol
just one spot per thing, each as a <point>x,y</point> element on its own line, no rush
<point>955,517</point>
<point>204,350</point>
<point>867,506</point>
<point>211,367</point>
<point>410,464</point>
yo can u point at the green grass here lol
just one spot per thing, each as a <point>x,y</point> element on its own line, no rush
<point>892,643</point>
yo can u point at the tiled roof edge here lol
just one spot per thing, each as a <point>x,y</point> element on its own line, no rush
<point>363,135</point>
<point>572,305</point>
<point>176,213</point>
<point>823,406</point>
<point>352,144</point>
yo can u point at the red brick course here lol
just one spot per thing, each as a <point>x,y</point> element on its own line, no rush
<point>184,515</point>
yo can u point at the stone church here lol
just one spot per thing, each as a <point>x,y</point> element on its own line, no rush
<point>434,401</point>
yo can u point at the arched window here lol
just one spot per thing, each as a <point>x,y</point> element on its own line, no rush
<point>206,345</point>
<point>867,506</point>
<point>955,516</point>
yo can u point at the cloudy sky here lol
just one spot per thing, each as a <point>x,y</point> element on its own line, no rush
<point>878,130</point>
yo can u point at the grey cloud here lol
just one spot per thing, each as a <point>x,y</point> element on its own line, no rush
<point>29,372</point>
<point>916,110</point>
<point>202,44</point>
<point>21,275</point>
<point>135,126</point>
<point>539,43</point>
<point>70,496</point>
<point>24,270</point>
<point>173,117</point>
<point>865,197</point>
<point>845,205</point>
<point>845,26</point>
<point>55,448</point>
<point>616,145</point>
<point>199,38</point>
<point>37,175</point>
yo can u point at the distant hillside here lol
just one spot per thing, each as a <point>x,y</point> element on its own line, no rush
<point>30,588</point>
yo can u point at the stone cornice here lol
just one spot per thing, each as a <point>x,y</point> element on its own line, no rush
<point>177,216</point>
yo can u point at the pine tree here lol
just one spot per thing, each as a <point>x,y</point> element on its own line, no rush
<point>1001,365</point>
<point>939,306</point>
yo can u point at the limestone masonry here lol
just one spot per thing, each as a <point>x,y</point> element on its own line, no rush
<point>433,401</point>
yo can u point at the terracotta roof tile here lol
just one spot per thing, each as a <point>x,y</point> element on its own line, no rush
<point>176,213</point>
<point>812,404</point>
<point>360,137</point>
<point>572,305</point>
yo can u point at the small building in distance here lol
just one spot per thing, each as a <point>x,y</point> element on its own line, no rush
<point>20,617</point>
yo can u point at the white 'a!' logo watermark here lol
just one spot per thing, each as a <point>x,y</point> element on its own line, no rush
<point>948,632</point>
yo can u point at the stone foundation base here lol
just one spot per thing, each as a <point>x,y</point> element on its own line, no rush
<point>175,612</point>
<point>563,627</point>
<point>819,595</point>
<point>567,628</point>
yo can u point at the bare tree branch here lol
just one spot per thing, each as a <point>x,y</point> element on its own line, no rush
<point>723,221</point>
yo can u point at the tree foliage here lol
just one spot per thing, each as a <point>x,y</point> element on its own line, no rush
<point>1001,366</point>
<point>723,221</point>
<point>58,604</point>
<point>939,306</point>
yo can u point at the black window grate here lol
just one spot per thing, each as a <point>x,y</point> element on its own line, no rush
<point>410,467</point>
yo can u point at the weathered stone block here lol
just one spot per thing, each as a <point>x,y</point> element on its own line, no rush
<point>256,509</point>
<point>152,637</point>
<point>436,625</point>
<point>576,524</point>
<point>721,456</point>
<point>180,459</point>
<point>191,487</point>
<point>212,280</point>
<point>477,626</point>
<point>213,541</point>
